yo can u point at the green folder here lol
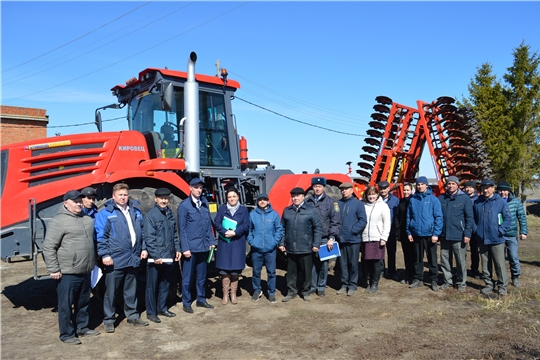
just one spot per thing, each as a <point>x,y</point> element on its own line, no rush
<point>228,224</point>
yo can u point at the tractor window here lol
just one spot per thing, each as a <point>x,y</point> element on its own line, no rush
<point>3,169</point>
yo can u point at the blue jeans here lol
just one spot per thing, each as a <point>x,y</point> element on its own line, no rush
<point>268,260</point>
<point>512,253</point>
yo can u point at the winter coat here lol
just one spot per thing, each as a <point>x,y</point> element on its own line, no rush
<point>424,215</point>
<point>113,237</point>
<point>160,236</point>
<point>328,210</point>
<point>518,216</point>
<point>393,202</point>
<point>486,218</point>
<point>400,220</point>
<point>265,230</point>
<point>91,212</point>
<point>379,221</point>
<point>232,255</point>
<point>69,243</point>
<point>458,216</point>
<point>303,229</point>
<point>195,226</point>
<point>353,220</point>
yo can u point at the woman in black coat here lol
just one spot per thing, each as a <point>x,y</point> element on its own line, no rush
<point>232,227</point>
<point>406,245</point>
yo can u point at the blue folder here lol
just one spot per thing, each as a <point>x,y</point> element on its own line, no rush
<point>325,254</point>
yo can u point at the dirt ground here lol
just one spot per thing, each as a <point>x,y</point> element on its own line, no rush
<point>395,323</point>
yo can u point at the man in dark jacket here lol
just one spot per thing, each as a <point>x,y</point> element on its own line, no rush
<point>424,225</point>
<point>328,210</point>
<point>119,243</point>
<point>470,190</point>
<point>89,202</point>
<point>265,232</point>
<point>303,232</point>
<point>511,236</point>
<point>163,247</point>
<point>393,203</point>
<point>68,250</point>
<point>353,221</point>
<point>456,232</point>
<point>492,220</point>
<point>196,239</point>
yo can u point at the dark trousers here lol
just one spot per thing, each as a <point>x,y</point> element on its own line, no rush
<point>73,290</point>
<point>269,260</point>
<point>409,258</point>
<point>113,279</point>
<point>194,269</point>
<point>296,263</point>
<point>423,244</point>
<point>319,273</point>
<point>158,282</point>
<point>475,254</point>
<point>391,247</point>
<point>349,265</point>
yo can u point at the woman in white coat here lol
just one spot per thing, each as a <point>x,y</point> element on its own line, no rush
<point>374,236</point>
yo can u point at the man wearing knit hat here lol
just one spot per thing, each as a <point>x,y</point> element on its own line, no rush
<point>511,236</point>
<point>328,210</point>
<point>456,232</point>
<point>424,225</point>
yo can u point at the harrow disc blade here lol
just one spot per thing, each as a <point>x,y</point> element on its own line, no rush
<point>373,142</point>
<point>363,173</point>
<point>374,133</point>
<point>458,141</point>
<point>368,158</point>
<point>370,150</point>
<point>381,108</point>
<point>377,125</point>
<point>445,100</point>
<point>379,117</point>
<point>364,165</point>
<point>447,108</point>
<point>385,100</point>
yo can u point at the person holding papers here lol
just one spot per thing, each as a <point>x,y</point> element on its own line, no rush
<point>375,235</point>
<point>265,232</point>
<point>163,247</point>
<point>232,227</point>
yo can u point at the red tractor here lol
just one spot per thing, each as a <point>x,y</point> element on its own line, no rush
<point>181,126</point>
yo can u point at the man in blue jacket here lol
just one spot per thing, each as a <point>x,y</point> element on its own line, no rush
<point>511,236</point>
<point>458,226</point>
<point>196,239</point>
<point>492,219</point>
<point>393,203</point>
<point>89,202</point>
<point>163,247</point>
<point>424,225</point>
<point>328,210</point>
<point>303,230</point>
<point>265,232</point>
<point>119,242</point>
<point>353,221</point>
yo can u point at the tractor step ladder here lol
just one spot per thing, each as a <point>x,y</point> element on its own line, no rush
<point>35,250</point>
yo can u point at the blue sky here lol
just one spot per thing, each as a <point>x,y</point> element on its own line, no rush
<point>321,63</point>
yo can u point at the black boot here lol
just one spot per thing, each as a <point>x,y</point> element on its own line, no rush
<point>374,287</point>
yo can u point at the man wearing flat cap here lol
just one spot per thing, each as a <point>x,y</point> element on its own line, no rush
<point>68,250</point>
<point>328,210</point>
<point>163,247</point>
<point>492,218</point>
<point>196,239</point>
<point>393,203</point>
<point>511,236</point>
<point>303,234</point>
<point>353,221</point>
<point>470,189</point>
<point>457,230</point>
<point>89,202</point>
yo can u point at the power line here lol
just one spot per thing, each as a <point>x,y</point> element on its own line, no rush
<point>74,40</point>
<point>298,121</point>
<point>82,124</point>
<point>133,55</point>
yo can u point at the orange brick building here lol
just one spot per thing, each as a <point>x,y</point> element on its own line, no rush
<point>21,124</point>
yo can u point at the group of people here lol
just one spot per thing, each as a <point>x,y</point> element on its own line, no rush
<point>368,228</point>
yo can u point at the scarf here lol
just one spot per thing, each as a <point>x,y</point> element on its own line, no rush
<point>232,209</point>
